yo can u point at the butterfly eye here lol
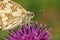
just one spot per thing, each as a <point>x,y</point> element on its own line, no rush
<point>30,14</point>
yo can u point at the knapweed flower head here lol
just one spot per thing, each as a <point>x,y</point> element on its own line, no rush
<point>29,32</point>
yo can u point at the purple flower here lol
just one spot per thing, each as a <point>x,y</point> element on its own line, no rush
<point>29,32</point>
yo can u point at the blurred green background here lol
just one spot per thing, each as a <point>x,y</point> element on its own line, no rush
<point>46,11</point>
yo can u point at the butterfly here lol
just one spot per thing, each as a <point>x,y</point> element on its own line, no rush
<point>13,14</point>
